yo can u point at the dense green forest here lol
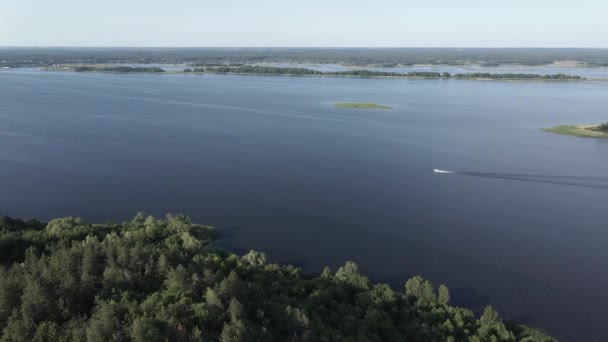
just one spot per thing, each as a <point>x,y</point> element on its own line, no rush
<point>121,69</point>
<point>163,280</point>
<point>256,69</point>
<point>41,57</point>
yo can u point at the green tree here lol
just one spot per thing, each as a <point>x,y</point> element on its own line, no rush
<point>235,310</point>
<point>443,295</point>
<point>47,332</point>
<point>178,279</point>
<point>421,290</point>
<point>349,273</point>
<point>212,298</point>
<point>255,259</point>
<point>234,332</point>
<point>146,330</point>
<point>36,304</point>
<point>231,287</point>
<point>105,324</point>
<point>492,327</point>
<point>15,329</point>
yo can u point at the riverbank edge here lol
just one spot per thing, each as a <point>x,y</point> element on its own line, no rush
<point>411,77</point>
<point>577,130</point>
<point>211,72</point>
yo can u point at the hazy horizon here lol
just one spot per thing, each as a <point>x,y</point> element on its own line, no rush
<point>317,23</point>
<point>298,47</point>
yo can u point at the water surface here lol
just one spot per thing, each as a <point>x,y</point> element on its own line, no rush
<point>271,162</point>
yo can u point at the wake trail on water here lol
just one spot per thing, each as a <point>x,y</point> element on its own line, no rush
<point>580,181</point>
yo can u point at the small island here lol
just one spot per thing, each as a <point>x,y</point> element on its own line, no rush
<point>587,131</point>
<point>361,105</point>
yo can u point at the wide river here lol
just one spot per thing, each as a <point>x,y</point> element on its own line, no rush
<point>279,169</point>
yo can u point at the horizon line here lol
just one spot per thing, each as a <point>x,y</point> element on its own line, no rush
<point>288,47</point>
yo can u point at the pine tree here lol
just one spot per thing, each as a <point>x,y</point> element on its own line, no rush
<point>443,295</point>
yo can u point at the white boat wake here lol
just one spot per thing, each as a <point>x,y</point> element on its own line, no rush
<point>580,181</point>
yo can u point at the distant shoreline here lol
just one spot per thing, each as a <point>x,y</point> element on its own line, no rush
<point>354,57</point>
<point>410,77</point>
<point>585,131</point>
<point>356,73</point>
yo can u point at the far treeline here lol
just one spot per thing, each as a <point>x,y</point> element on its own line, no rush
<point>46,57</point>
<point>119,69</point>
<point>372,73</point>
<point>157,280</point>
<point>267,70</point>
<point>519,76</point>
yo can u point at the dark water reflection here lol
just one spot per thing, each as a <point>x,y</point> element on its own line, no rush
<point>586,182</point>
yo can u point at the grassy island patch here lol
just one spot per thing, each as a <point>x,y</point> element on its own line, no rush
<point>361,105</point>
<point>600,131</point>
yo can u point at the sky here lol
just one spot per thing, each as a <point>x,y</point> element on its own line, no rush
<point>310,23</point>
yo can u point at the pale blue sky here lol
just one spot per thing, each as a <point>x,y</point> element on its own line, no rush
<point>379,23</point>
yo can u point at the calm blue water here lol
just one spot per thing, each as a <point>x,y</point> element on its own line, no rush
<point>278,168</point>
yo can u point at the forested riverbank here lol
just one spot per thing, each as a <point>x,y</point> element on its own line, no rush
<point>303,71</point>
<point>269,70</point>
<point>161,279</point>
<point>118,69</point>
